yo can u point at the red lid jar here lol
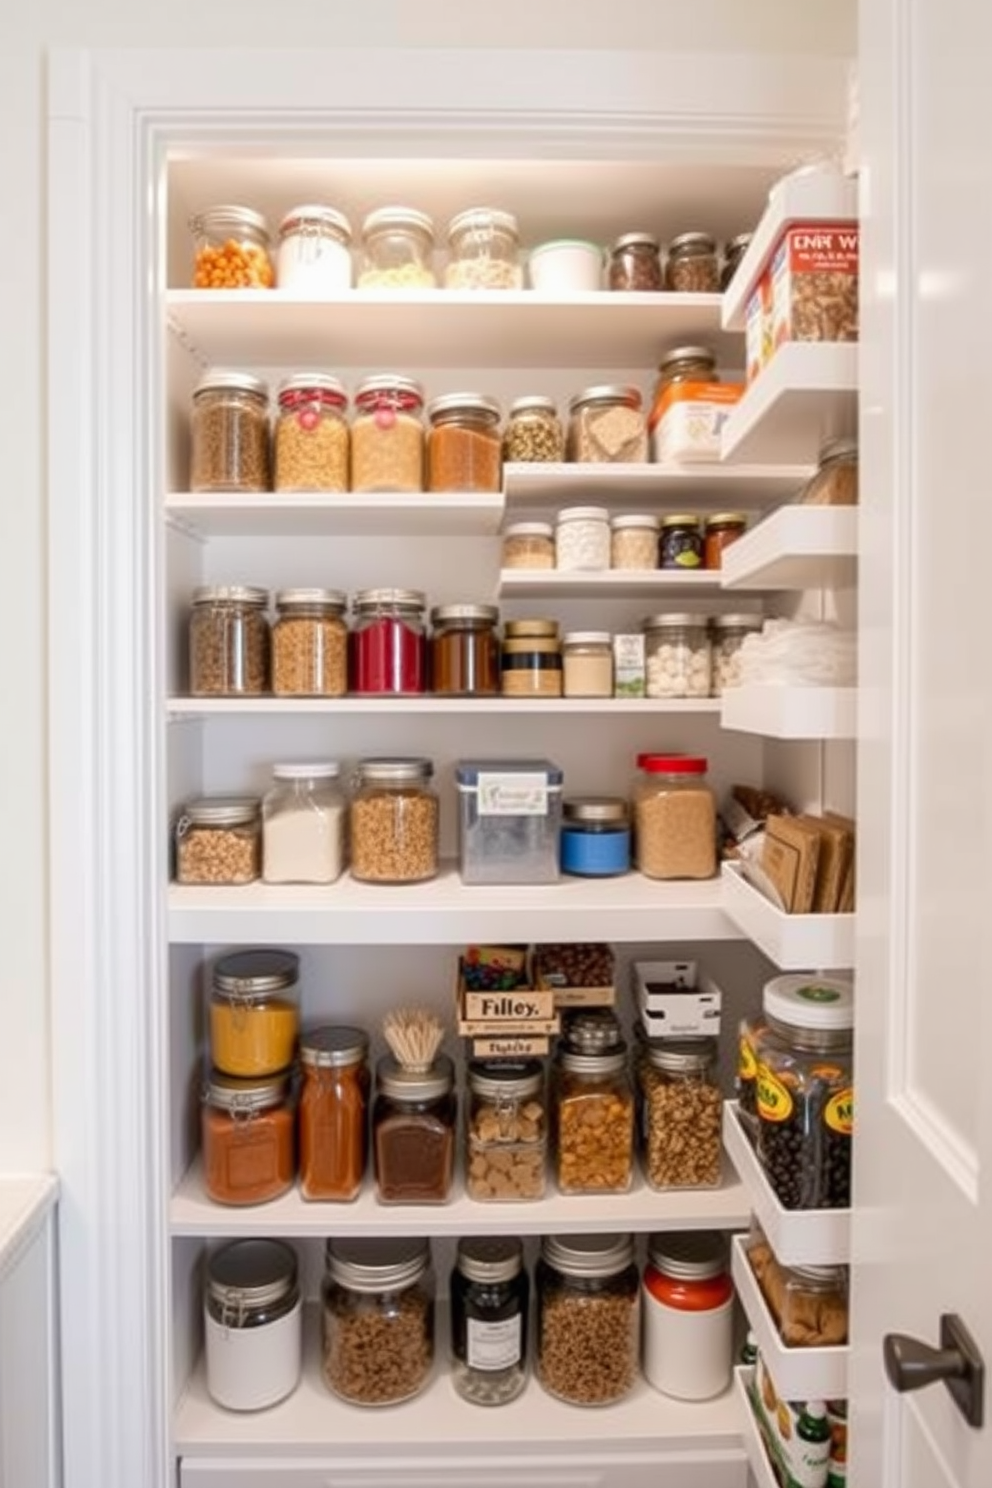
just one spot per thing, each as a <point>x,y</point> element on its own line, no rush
<point>688,1301</point>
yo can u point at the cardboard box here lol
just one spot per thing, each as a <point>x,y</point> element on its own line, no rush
<point>510,1047</point>
<point>790,856</point>
<point>514,1012</point>
<point>814,277</point>
<point>836,847</point>
<point>547,977</point>
<point>629,665</point>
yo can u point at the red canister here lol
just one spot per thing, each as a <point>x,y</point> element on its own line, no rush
<point>388,641</point>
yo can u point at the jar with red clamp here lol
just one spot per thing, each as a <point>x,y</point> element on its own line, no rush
<point>635,263</point>
<point>232,249</point>
<point>688,1312</point>
<point>692,265</point>
<point>387,435</point>
<point>312,442</point>
<point>388,641</point>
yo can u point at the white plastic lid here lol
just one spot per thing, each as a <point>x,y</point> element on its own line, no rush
<point>583,514</point>
<point>587,638</point>
<point>825,1003</point>
<point>529,529</point>
<point>648,520</point>
<point>324,770</point>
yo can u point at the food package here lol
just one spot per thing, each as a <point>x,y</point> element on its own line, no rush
<point>814,283</point>
<point>688,418</point>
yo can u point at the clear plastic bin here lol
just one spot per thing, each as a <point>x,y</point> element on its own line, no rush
<point>509,821</point>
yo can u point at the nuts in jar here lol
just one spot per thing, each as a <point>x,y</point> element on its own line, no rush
<point>218,840</point>
<point>692,266</point>
<point>394,822</point>
<point>310,644</point>
<point>463,446</point>
<point>229,433</point>
<point>529,545</point>
<point>635,263</point>
<point>228,641</point>
<point>607,424</point>
<point>634,541</point>
<point>312,442</point>
<point>682,1114</point>
<point>533,432</point>
<point>484,246</point>
<point>232,249</point>
<point>592,1108</point>
<point>678,656</point>
<point>387,435</point>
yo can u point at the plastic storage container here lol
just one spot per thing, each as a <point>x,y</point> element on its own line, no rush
<point>228,641</point>
<point>506,1130</point>
<point>528,545</point>
<point>587,664</point>
<point>310,644</point>
<point>232,249</point>
<point>489,1297</point>
<point>595,836</point>
<point>533,432</point>
<point>333,1119</point>
<point>387,435</point>
<point>465,650</point>
<point>531,663</point>
<point>588,1317</point>
<point>688,1302</point>
<point>388,642</point>
<point>397,250</point>
<point>463,445</point>
<point>674,818</point>
<point>592,1105</point>
<point>729,633</point>
<point>229,433</point>
<point>692,265</point>
<point>248,1136</point>
<point>394,822</point>
<point>414,1118</point>
<point>304,824</point>
<point>252,1323</point>
<point>509,820</point>
<point>635,263</point>
<point>607,424</point>
<point>377,1319</point>
<point>484,249</point>
<point>582,539</point>
<point>678,656</point>
<point>566,266</point>
<point>254,1012</point>
<point>681,1113</point>
<point>312,441</point>
<point>314,250</point>
<point>219,840</point>
<point>634,541</point>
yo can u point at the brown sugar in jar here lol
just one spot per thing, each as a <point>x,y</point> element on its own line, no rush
<point>463,446</point>
<point>413,1127</point>
<point>247,1133</point>
<point>333,1120</point>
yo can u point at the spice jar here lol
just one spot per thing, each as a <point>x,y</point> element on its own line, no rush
<point>484,247</point>
<point>310,644</point>
<point>218,840</point>
<point>247,1135</point>
<point>587,664</point>
<point>674,818</point>
<point>529,545</point>
<point>388,643</point>
<point>506,1130</point>
<point>678,656</point>
<point>681,1113</point>
<point>722,529</point>
<point>836,480</point>
<point>635,263</point>
<point>588,1317</point>
<point>595,836</point>
<point>686,364</point>
<point>231,249</point>
<point>681,542</point>
<point>333,1112</point>
<point>254,1012</point>
<point>729,632</point>
<point>533,432</point>
<point>489,1296</point>
<point>377,1319</point>
<point>465,650</point>
<point>805,1093</point>
<point>692,266</point>
<point>463,445</point>
<point>312,441</point>
<point>582,539</point>
<point>413,1131</point>
<point>531,663</point>
<point>397,250</point>
<point>315,250</point>
<point>304,815</point>
<point>387,435</point>
<point>394,822</point>
<point>688,1303</point>
<point>607,424</point>
<point>252,1324</point>
<point>733,252</point>
<point>634,541</point>
<point>592,1108</point>
<point>229,433</point>
<point>808,1303</point>
<point>228,641</point>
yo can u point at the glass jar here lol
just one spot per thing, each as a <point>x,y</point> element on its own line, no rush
<point>389,641</point>
<point>587,664</point>
<point>465,650</point>
<point>592,1109</point>
<point>397,250</point>
<point>315,251</point>
<point>733,252</point>
<point>681,544</point>
<point>808,1303</point>
<point>484,247</point>
<point>588,1317</point>
<point>394,822</point>
<point>635,263</point>
<point>312,442</point>
<point>582,539</point>
<point>634,541</point>
<point>607,424</point>
<point>387,435</point>
<point>310,644</point>
<point>836,480</point>
<point>229,433</point>
<point>218,840</point>
<point>377,1319</point>
<point>681,1113</point>
<point>674,818</point>
<point>595,836</point>
<point>686,364</point>
<point>729,632</point>
<point>254,1012</point>
<point>529,545</point>
<point>678,656</point>
<point>414,1118</point>
<point>688,1303</point>
<point>247,1131</point>
<point>489,1297</point>
<point>506,1130</point>
<point>805,1091</point>
<point>531,663</point>
<point>533,432</point>
<point>722,529</point>
<point>231,247</point>
<point>692,266</point>
<point>750,1032</point>
<point>304,816</point>
<point>463,445</point>
<point>252,1323</point>
<point>333,1121</point>
<point>228,641</point>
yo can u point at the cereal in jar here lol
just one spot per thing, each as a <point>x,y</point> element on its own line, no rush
<point>310,644</point>
<point>387,435</point>
<point>397,250</point>
<point>484,249</point>
<point>588,1317</point>
<point>312,444</point>
<point>218,840</point>
<point>394,822</point>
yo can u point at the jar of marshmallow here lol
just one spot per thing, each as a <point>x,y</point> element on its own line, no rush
<point>678,656</point>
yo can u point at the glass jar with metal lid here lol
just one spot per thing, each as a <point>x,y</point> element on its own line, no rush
<point>377,1319</point>
<point>674,817</point>
<point>465,650</point>
<point>678,655</point>
<point>229,641</point>
<point>721,529</point>
<point>692,265</point>
<point>529,545</point>
<point>394,822</point>
<point>484,247</point>
<point>634,540</point>
<point>252,1314</point>
<point>531,661</point>
<point>582,539</point>
<point>587,664</point>
<point>388,642</point>
<point>808,1303</point>
<point>229,433</point>
<point>505,1130</point>
<point>681,543</point>
<point>304,816</point>
<point>315,250</point>
<point>592,1107</point>
<point>681,1113</point>
<point>533,432</point>
<point>607,424</point>
<point>333,1123</point>
<point>595,836</point>
<point>734,251</point>
<point>729,632</point>
<point>463,444</point>
<point>312,442</point>
<point>686,364</point>
<point>310,643</point>
<point>413,1131</point>
<point>387,435</point>
<point>232,249</point>
<point>489,1296</point>
<point>836,480</point>
<point>397,250</point>
<point>248,1136</point>
<point>254,1012</point>
<point>218,840</point>
<point>635,263</point>
<point>588,1317</point>
<point>688,1303</point>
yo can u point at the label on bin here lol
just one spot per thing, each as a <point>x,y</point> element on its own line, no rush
<point>520,794</point>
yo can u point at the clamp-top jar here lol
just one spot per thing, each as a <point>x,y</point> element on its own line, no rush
<point>484,246</point>
<point>397,250</point>
<point>252,1324</point>
<point>247,1133</point>
<point>506,1130</point>
<point>232,249</point>
<point>389,641</point>
<point>394,822</point>
<point>312,442</point>
<point>218,840</point>
<point>315,250</point>
<point>592,1107</point>
<point>229,433</point>
<point>463,446</point>
<point>333,1112</point>
<point>387,435</point>
<point>228,641</point>
<point>254,1012</point>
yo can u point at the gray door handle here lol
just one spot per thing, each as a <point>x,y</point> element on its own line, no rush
<point>912,1364</point>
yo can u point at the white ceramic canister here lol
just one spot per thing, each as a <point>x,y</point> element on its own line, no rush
<point>582,539</point>
<point>687,1310</point>
<point>253,1323</point>
<point>314,250</point>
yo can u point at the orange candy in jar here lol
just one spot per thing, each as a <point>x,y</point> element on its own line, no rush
<point>232,249</point>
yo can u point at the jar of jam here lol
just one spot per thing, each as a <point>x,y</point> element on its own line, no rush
<point>333,1112</point>
<point>489,1297</point>
<point>484,251</point>
<point>232,249</point>
<point>463,446</point>
<point>377,1319</point>
<point>229,433</point>
<point>533,432</point>
<point>681,541</point>
<point>506,1130</point>
<point>635,263</point>
<point>733,252</point>
<point>388,641</point>
<point>465,650</point>
<point>588,1317</point>
<point>312,442</point>
<point>692,266</point>
<point>229,641</point>
<point>218,840</point>
<point>254,1012</point>
<point>722,529</point>
<point>387,435</point>
<point>310,644</point>
<point>397,250</point>
<point>592,1107</point>
<point>315,251</point>
<point>414,1119</point>
<point>394,822</point>
<point>247,1130</point>
<point>688,1313</point>
<point>529,545</point>
<point>531,661</point>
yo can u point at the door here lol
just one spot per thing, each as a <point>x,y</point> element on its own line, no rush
<point>924,1214</point>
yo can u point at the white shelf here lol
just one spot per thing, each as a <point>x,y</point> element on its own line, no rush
<point>427,703</point>
<point>793,942</point>
<point>791,712</point>
<point>642,1209</point>
<point>26,1200</point>
<point>799,1373</point>
<point>445,911</point>
<point>326,514</point>
<point>797,547</point>
<point>754,1446</point>
<point>799,1237</point>
<point>652,487</point>
<point>549,583</point>
<point>807,393</point>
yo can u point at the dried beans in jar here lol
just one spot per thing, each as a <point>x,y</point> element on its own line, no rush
<point>533,432</point>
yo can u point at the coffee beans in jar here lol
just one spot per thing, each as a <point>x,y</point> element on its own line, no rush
<point>229,433</point>
<point>310,644</point>
<point>533,433</point>
<point>635,263</point>
<point>588,1317</point>
<point>228,641</point>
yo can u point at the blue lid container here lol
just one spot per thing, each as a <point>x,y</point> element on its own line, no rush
<point>595,837</point>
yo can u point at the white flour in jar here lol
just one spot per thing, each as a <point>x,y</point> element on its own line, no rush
<point>304,844</point>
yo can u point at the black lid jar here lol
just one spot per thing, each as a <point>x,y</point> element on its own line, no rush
<point>489,1295</point>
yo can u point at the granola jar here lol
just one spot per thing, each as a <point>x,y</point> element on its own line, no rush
<point>304,815</point>
<point>692,265</point>
<point>678,656</point>
<point>377,1321</point>
<point>252,1323</point>
<point>229,433</point>
<point>315,250</point>
<point>733,252</point>
<point>388,641</point>
<point>465,650</point>
<point>533,432</point>
<point>231,246</point>
<point>729,632</point>
<point>394,822</point>
<point>463,444</point>
<point>634,541</point>
<point>311,442</point>
<point>506,1130</point>
<point>414,1118</point>
<point>333,1119</point>
<point>681,1113</point>
<point>254,1012</point>
<point>387,435</point>
<point>688,1302</point>
<point>607,424</point>
<point>247,1132</point>
<point>635,263</point>
<point>592,1108</point>
<point>397,250</point>
<point>218,840</point>
<point>674,818</point>
<point>588,1317</point>
<point>310,643</point>
<point>484,247</point>
<point>529,545</point>
<point>489,1297</point>
<point>229,641</point>
<point>531,663</point>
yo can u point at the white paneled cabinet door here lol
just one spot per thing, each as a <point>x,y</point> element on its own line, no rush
<point>923,1203</point>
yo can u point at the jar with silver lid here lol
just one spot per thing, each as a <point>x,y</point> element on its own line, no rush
<point>529,545</point>
<point>592,1106</point>
<point>310,643</point>
<point>387,435</point>
<point>333,1119</point>
<point>312,441</point>
<point>489,1297</point>
<point>836,480</point>
<point>218,840</point>
<point>388,641</point>
<point>607,424</point>
<point>252,1314</point>
<point>634,541</point>
<point>484,247</point>
<point>397,250</point>
<point>729,633</point>
<point>635,263</point>
<point>314,250</point>
<point>681,1113</point>
<point>588,1317</point>
<point>229,433</point>
<point>304,816</point>
<point>465,650</point>
<point>595,836</point>
<point>248,1138</point>
<point>413,1131</point>
<point>254,1012</point>
<point>394,821</point>
<point>688,1304</point>
<point>678,656</point>
<point>229,641</point>
<point>506,1130</point>
<point>587,664</point>
<point>582,539</point>
<point>232,249</point>
<point>733,252</point>
<point>377,1319</point>
<point>463,444</point>
<point>692,266</point>
<point>533,432</point>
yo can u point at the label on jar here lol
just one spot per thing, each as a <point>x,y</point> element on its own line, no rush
<point>524,794</point>
<point>839,1113</point>
<point>747,1066</point>
<point>774,1099</point>
<point>494,1345</point>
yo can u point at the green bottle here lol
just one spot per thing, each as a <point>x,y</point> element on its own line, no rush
<point>749,1350</point>
<point>813,1430</point>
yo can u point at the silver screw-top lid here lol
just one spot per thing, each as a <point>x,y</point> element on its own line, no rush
<point>489,1258</point>
<point>330,599</point>
<point>237,594</point>
<point>247,1275</point>
<point>689,1257</point>
<point>252,974</point>
<point>596,809</point>
<point>383,1263</point>
<point>607,392</point>
<point>588,1255</point>
<point>452,404</point>
<point>636,240</point>
<point>220,380</point>
<point>454,613</point>
<point>682,1056</point>
<point>333,1046</point>
<point>375,599</point>
<point>394,771</point>
<point>692,242</point>
<point>403,1084</point>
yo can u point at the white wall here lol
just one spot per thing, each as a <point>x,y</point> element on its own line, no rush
<point>826,27</point>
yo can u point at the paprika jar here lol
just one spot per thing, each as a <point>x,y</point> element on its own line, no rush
<point>253,1333</point>
<point>229,433</point>
<point>394,822</point>
<point>674,818</point>
<point>414,1119</point>
<point>489,1297</point>
<point>463,445</point>
<point>692,266</point>
<point>465,650</point>
<point>722,529</point>
<point>247,1130</point>
<point>397,250</point>
<point>588,1317</point>
<point>312,441</point>
<point>333,1113</point>
<point>232,249</point>
<point>688,1310</point>
<point>387,435</point>
<point>681,1113</point>
<point>315,250</point>
<point>377,1319</point>
<point>229,641</point>
<point>254,1012</point>
<point>389,641</point>
<point>533,433</point>
<point>310,644</point>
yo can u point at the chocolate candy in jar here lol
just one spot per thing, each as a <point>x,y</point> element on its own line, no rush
<point>692,266</point>
<point>635,263</point>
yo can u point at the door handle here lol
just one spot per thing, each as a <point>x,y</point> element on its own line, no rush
<point>912,1365</point>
